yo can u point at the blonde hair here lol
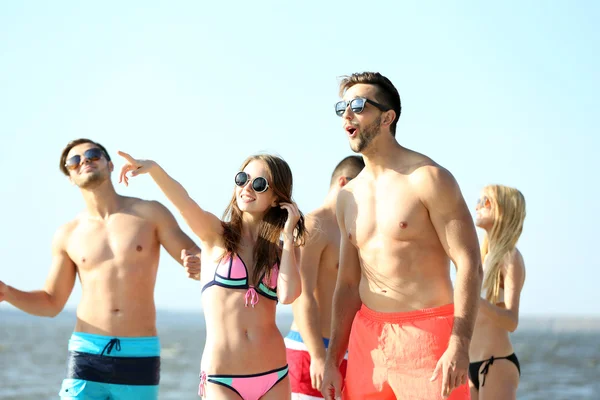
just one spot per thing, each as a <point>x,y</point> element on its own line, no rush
<point>508,205</point>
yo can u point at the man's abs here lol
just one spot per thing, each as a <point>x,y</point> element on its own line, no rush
<point>117,261</point>
<point>404,277</point>
<point>117,305</point>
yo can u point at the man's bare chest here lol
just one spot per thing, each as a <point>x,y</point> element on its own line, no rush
<point>388,213</point>
<point>123,240</point>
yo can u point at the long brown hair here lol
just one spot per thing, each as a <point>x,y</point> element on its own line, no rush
<point>508,205</point>
<point>266,249</point>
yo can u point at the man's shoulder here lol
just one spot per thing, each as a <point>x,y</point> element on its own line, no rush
<point>320,222</point>
<point>358,184</point>
<point>344,198</point>
<point>70,226</point>
<point>62,234</point>
<point>320,215</point>
<point>315,222</point>
<point>137,202</point>
<point>427,172</point>
<point>145,208</point>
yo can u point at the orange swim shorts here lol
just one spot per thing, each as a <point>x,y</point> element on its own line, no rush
<point>393,355</point>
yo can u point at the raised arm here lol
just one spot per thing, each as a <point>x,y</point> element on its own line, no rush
<point>346,303</point>
<point>50,301</point>
<point>513,275</point>
<point>172,238</point>
<point>204,224</point>
<point>305,308</point>
<point>455,229</point>
<point>289,286</point>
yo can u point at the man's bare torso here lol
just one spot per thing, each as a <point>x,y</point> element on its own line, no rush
<point>326,222</point>
<point>403,264</point>
<point>328,269</point>
<point>117,261</point>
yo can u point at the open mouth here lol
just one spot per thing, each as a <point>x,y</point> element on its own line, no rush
<point>351,131</point>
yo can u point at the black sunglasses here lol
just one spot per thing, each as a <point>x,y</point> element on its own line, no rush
<point>93,154</point>
<point>357,106</point>
<point>259,184</point>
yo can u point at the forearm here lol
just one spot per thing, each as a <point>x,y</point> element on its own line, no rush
<point>289,285</point>
<point>346,303</point>
<point>195,250</point>
<point>466,300</point>
<point>38,302</point>
<point>504,318</point>
<point>174,191</point>
<point>306,315</point>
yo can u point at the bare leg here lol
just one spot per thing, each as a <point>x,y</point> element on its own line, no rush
<point>501,381</point>
<point>474,391</point>
<point>281,391</point>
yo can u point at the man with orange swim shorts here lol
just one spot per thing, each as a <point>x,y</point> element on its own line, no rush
<point>402,220</point>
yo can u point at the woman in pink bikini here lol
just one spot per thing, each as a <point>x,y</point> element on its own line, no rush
<point>249,263</point>
<point>494,370</point>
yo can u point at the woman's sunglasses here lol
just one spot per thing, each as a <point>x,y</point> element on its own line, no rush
<point>357,106</point>
<point>93,154</point>
<point>483,202</point>
<point>259,184</point>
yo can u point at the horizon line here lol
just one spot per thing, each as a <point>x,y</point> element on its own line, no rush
<point>288,311</point>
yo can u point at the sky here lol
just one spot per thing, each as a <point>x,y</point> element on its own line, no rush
<point>496,92</point>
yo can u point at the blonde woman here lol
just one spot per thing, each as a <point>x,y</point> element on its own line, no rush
<point>494,371</point>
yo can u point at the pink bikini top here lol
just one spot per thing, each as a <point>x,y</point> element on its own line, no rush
<point>232,273</point>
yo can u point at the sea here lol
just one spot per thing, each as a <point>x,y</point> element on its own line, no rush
<point>560,357</point>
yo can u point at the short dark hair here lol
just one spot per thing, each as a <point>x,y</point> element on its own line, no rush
<point>387,94</point>
<point>349,167</point>
<point>73,143</point>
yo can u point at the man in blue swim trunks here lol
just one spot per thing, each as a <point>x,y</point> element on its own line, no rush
<point>114,247</point>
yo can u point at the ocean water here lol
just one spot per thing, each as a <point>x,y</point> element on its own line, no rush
<point>560,357</point>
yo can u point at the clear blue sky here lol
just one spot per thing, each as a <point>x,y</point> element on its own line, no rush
<point>495,92</point>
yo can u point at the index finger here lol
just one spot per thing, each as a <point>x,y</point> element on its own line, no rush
<point>125,156</point>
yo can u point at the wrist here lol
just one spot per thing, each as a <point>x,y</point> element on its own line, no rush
<point>332,361</point>
<point>318,358</point>
<point>8,293</point>
<point>319,354</point>
<point>459,341</point>
<point>288,237</point>
<point>153,165</point>
<point>196,250</point>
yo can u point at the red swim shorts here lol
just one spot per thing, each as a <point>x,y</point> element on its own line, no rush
<point>298,360</point>
<point>393,355</point>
